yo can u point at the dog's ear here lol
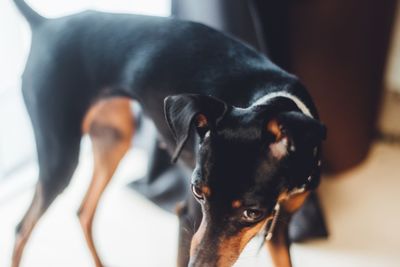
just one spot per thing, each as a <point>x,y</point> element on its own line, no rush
<point>185,110</point>
<point>293,130</point>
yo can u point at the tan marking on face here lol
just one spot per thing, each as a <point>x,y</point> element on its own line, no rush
<point>274,128</point>
<point>278,148</point>
<point>206,191</point>
<point>201,121</point>
<point>236,204</point>
<point>230,248</point>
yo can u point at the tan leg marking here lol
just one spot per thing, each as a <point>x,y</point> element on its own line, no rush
<point>29,221</point>
<point>279,245</point>
<point>110,125</point>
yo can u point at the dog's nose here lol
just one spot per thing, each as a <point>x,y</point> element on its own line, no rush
<point>197,182</point>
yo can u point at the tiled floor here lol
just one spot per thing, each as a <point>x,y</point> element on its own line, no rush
<point>361,208</point>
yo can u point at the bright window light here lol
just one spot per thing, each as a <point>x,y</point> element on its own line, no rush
<point>57,8</point>
<point>16,143</point>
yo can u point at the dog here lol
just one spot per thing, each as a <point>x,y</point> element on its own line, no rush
<point>248,130</point>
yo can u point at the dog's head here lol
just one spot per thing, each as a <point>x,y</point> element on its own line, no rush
<point>246,159</point>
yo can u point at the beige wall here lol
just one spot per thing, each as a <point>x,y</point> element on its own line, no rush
<point>393,72</point>
<point>389,123</point>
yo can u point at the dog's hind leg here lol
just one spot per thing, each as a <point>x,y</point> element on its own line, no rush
<point>58,157</point>
<point>27,224</point>
<point>110,126</point>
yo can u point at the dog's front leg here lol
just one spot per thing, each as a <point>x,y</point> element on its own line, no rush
<point>189,215</point>
<point>279,244</point>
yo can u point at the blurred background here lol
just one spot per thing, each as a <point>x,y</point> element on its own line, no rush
<point>346,52</point>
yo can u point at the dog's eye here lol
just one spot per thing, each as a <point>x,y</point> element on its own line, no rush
<point>252,215</point>
<point>197,192</point>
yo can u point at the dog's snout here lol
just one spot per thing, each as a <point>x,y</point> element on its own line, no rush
<point>197,182</point>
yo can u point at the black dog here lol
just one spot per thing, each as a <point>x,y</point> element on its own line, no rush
<point>247,129</point>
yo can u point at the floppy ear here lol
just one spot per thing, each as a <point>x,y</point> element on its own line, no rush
<point>293,130</point>
<point>181,111</point>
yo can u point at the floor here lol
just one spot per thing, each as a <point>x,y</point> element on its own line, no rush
<point>361,209</point>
